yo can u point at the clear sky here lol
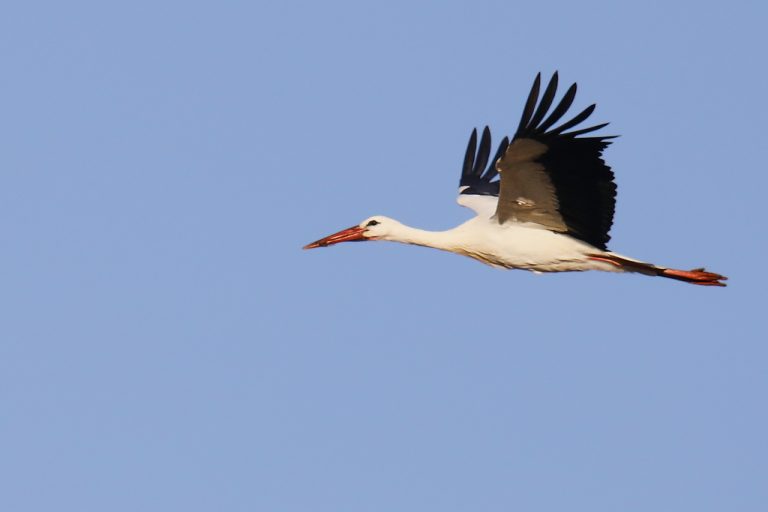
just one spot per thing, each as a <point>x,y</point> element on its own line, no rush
<point>166,345</point>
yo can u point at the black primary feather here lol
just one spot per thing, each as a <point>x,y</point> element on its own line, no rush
<point>475,176</point>
<point>483,152</point>
<point>583,115</point>
<point>545,103</point>
<point>530,103</point>
<point>561,108</point>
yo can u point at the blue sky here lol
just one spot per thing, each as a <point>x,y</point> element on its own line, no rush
<point>166,345</point>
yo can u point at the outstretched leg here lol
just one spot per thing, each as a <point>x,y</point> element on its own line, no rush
<point>696,276</point>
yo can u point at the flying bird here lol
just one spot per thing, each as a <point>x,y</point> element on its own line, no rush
<point>543,203</point>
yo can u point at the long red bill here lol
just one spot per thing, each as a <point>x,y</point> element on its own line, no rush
<point>353,234</point>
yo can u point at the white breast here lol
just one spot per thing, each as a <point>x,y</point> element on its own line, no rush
<point>526,246</point>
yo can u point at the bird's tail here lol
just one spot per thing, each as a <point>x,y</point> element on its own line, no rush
<point>696,276</point>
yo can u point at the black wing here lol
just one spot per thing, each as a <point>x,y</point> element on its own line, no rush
<point>478,174</point>
<point>556,178</point>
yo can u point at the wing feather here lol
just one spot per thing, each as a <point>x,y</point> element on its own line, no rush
<point>546,102</point>
<point>483,153</point>
<point>582,116</point>
<point>469,156</point>
<point>554,179</point>
<point>530,104</point>
<point>561,108</point>
<point>478,187</point>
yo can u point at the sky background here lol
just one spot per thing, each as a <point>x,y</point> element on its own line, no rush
<point>165,344</point>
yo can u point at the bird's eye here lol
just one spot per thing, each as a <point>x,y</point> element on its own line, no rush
<point>372,223</point>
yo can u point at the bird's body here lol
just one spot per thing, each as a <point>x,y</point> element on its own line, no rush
<point>550,211</point>
<point>512,245</point>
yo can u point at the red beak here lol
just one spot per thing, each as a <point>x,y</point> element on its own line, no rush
<point>353,234</point>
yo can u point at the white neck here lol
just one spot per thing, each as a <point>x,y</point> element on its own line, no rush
<point>444,240</point>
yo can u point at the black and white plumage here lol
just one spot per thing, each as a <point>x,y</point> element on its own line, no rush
<point>545,202</point>
<point>559,180</point>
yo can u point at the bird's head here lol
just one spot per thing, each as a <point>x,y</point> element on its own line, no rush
<point>377,227</point>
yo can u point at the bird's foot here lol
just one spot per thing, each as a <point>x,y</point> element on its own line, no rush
<point>696,276</point>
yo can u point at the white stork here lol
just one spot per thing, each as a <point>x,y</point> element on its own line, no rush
<point>550,210</point>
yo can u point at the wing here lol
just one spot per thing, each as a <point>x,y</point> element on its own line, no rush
<point>555,178</point>
<point>478,187</point>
